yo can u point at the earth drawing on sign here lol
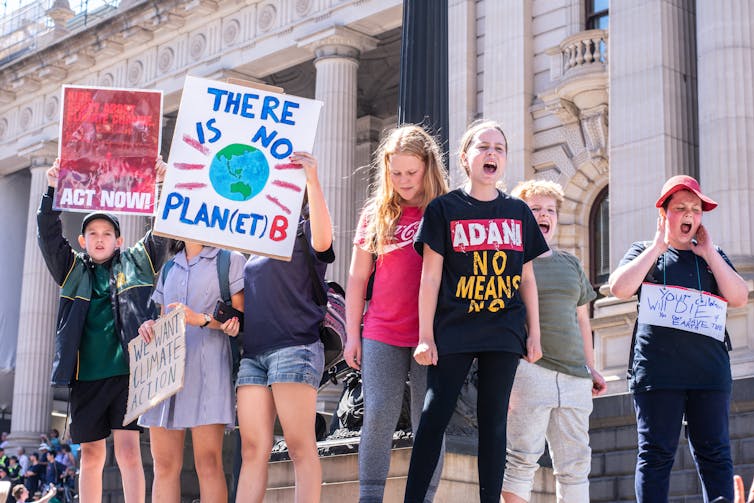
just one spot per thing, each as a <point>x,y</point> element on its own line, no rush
<point>239,172</point>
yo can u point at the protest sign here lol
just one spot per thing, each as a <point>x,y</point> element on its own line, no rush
<point>684,309</point>
<point>230,182</point>
<point>156,369</point>
<point>109,141</point>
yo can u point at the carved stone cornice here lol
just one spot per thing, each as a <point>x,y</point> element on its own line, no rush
<point>200,7</point>
<point>136,35</point>
<point>78,61</point>
<point>28,84</point>
<point>566,111</point>
<point>52,72</point>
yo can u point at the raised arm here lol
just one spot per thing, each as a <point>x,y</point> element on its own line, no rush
<point>157,246</point>
<point>626,279</point>
<point>56,250</point>
<point>731,285</point>
<point>319,215</point>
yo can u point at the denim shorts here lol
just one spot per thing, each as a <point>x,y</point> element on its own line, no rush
<point>294,364</point>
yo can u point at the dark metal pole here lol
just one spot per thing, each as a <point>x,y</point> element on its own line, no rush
<point>423,88</point>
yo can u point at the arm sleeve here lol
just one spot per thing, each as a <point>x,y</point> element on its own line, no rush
<point>432,229</point>
<point>587,292</point>
<point>56,250</point>
<point>235,276</point>
<point>534,242</point>
<point>633,252</point>
<point>158,296</point>
<point>327,256</point>
<point>725,257</point>
<point>156,248</point>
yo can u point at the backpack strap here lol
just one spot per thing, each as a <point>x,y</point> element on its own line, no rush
<point>223,273</point>
<point>165,268</point>
<point>223,277</point>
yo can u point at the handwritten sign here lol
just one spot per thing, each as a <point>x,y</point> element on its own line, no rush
<point>684,309</point>
<point>156,369</point>
<point>229,181</point>
<point>109,140</point>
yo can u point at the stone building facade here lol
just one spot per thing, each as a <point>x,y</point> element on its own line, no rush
<point>608,110</point>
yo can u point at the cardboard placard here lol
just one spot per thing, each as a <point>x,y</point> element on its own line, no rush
<point>109,141</point>
<point>229,181</point>
<point>683,308</point>
<point>157,368</point>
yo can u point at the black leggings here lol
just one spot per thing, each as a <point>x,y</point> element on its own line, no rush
<point>496,372</point>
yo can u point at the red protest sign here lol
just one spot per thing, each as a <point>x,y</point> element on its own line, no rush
<point>109,141</point>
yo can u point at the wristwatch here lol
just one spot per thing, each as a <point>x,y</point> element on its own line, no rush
<point>207,319</point>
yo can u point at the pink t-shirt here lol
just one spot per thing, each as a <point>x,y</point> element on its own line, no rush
<point>393,313</point>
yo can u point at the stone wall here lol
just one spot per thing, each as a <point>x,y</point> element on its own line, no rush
<point>613,439</point>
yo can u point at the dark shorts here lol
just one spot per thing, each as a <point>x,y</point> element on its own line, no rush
<point>301,364</point>
<point>98,407</point>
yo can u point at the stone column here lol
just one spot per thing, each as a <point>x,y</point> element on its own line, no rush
<point>652,105</point>
<point>508,89</point>
<point>462,63</point>
<point>725,55</point>
<point>336,52</point>
<point>132,228</point>
<point>32,394</point>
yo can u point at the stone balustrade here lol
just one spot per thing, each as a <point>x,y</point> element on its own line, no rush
<point>585,51</point>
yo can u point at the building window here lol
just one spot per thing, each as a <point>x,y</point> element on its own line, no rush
<point>597,14</point>
<point>599,239</point>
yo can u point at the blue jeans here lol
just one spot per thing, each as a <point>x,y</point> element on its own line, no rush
<point>659,414</point>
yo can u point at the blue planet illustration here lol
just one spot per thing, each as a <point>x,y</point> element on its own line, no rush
<point>239,172</point>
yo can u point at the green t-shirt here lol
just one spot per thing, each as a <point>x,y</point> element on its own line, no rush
<point>562,286</point>
<point>100,352</point>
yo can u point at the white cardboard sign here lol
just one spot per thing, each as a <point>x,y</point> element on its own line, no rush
<point>157,368</point>
<point>229,181</point>
<point>684,309</point>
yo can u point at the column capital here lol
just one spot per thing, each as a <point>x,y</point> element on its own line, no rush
<point>338,41</point>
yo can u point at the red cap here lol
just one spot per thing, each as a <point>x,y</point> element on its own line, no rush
<point>684,182</point>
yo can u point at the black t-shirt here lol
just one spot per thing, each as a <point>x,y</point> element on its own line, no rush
<point>484,245</point>
<point>670,358</point>
<point>279,306</point>
<point>32,481</point>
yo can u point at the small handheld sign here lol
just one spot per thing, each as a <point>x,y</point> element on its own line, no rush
<point>683,308</point>
<point>156,368</point>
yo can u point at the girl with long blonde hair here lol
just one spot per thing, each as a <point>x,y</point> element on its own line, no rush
<point>410,173</point>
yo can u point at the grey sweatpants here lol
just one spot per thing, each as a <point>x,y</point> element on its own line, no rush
<point>384,370</point>
<point>552,406</point>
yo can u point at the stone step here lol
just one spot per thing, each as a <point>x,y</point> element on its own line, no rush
<point>340,475</point>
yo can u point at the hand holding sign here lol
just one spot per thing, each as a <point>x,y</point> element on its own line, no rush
<point>156,367</point>
<point>53,173</point>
